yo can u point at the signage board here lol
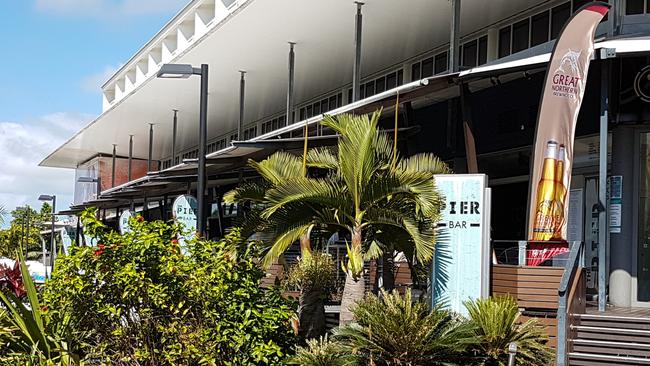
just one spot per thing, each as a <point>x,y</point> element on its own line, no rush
<point>615,203</point>
<point>124,221</point>
<point>184,209</point>
<point>461,266</point>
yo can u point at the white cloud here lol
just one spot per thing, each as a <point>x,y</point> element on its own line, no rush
<point>108,8</point>
<point>22,147</point>
<point>94,82</point>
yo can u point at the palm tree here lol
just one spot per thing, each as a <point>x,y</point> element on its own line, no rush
<point>366,190</point>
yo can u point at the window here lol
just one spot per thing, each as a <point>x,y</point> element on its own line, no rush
<point>250,133</point>
<point>634,7</point>
<point>482,50</point>
<point>391,81</point>
<point>370,88</point>
<point>427,68</point>
<point>380,85</point>
<point>440,63</point>
<point>470,53</point>
<point>539,29</point>
<point>578,3</point>
<point>520,35</point>
<point>504,41</point>
<point>415,72</point>
<point>559,15</point>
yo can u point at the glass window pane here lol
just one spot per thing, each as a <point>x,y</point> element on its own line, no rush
<point>441,63</point>
<point>415,71</point>
<point>520,35</point>
<point>324,106</point>
<point>470,53</point>
<point>303,115</point>
<point>634,7</point>
<point>539,29</point>
<point>482,50</point>
<point>427,68</point>
<point>559,15</point>
<point>317,108</point>
<point>400,77</point>
<point>339,100</point>
<point>391,81</point>
<point>380,85</point>
<point>370,88</point>
<point>310,112</point>
<point>504,41</point>
<point>362,91</point>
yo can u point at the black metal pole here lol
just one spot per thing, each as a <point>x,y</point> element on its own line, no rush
<point>150,156</point>
<point>52,239</point>
<point>242,88</point>
<point>174,129</point>
<point>113,167</point>
<point>130,155</point>
<point>203,135</point>
<point>292,61</point>
<point>356,69</point>
<point>27,230</point>
<point>454,40</point>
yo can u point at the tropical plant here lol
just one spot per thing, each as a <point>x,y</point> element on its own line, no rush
<point>11,280</point>
<point>24,230</point>
<point>364,189</point>
<point>495,324</point>
<point>141,301</point>
<point>323,352</point>
<point>315,276</point>
<point>394,330</point>
<point>27,333</point>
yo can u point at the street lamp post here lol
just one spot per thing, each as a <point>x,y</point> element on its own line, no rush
<point>45,197</point>
<point>181,71</point>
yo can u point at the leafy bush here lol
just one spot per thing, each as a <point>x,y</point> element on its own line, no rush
<point>323,352</point>
<point>495,325</point>
<point>394,330</point>
<point>143,302</point>
<point>315,276</point>
<point>27,335</point>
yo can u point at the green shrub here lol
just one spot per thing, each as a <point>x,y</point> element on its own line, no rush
<point>145,303</point>
<point>495,325</point>
<point>394,330</point>
<point>323,352</point>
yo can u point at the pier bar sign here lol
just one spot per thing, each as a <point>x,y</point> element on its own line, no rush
<point>462,264</point>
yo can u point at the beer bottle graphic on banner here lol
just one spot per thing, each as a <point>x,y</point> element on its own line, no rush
<point>560,194</point>
<point>546,198</point>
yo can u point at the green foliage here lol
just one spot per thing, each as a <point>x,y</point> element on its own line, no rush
<point>141,301</point>
<point>323,352</point>
<point>495,325</point>
<point>313,272</point>
<point>394,330</point>
<point>18,237</point>
<point>28,335</point>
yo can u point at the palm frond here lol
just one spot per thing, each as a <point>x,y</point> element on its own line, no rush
<point>278,167</point>
<point>424,162</point>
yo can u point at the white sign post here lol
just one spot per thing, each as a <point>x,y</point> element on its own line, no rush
<point>184,210</point>
<point>124,222</point>
<point>461,268</point>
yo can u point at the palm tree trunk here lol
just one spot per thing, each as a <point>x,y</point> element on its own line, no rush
<point>352,293</point>
<point>388,271</point>
<point>312,314</point>
<point>355,284</point>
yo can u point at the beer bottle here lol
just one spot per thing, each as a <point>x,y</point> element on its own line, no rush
<point>543,227</point>
<point>560,194</point>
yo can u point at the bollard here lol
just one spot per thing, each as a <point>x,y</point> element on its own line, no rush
<point>512,353</point>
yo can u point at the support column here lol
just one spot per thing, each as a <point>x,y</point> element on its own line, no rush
<point>356,70</point>
<point>292,61</point>
<point>454,37</point>
<point>468,131</point>
<point>174,130</point>
<point>242,90</point>
<point>621,259</point>
<point>602,188</point>
<point>113,167</point>
<point>149,157</point>
<point>130,156</point>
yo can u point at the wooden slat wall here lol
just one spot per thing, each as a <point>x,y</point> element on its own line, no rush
<point>534,288</point>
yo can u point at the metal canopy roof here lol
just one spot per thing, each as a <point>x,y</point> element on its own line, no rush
<point>255,39</point>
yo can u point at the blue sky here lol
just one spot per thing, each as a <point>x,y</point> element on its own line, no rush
<point>56,54</point>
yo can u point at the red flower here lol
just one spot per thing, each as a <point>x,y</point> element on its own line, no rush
<point>174,242</point>
<point>140,218</point>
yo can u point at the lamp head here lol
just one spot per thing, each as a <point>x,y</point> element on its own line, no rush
<point>45,197</point>
<point>175,71</point>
